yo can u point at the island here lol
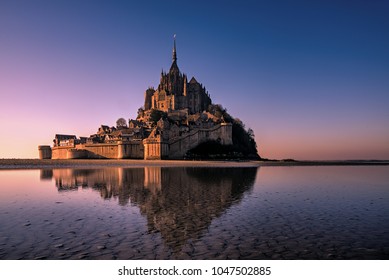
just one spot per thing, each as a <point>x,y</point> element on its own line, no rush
<point>178,121</point>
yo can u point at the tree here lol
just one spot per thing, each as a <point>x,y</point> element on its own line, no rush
<point>121,123</point>
<point>250,133</point>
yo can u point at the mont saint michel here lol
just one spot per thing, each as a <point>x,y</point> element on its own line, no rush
<point>121,142</point>
<point>178,121</point>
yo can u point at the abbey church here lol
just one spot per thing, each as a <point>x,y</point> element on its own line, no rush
<point>178,121</point>
<point>176,93</point>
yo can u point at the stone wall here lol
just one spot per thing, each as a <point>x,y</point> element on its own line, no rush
<point>133,149</point>
<point>101,150</point>
<point>222,133</point>
<point>120,150</point>
<point>150,148</point>
<point>44,152</point>
<point>156,148</point>
<point>60,152</point>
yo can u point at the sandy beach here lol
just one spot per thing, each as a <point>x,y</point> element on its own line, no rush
<point>100,163</point>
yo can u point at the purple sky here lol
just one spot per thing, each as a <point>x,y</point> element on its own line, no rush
<point>311,79</point>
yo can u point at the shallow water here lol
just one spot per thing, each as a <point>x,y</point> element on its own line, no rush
<point>313,212</point>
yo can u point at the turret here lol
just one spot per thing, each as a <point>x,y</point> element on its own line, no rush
<point>148,95</point>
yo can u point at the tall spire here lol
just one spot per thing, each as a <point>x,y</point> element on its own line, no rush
<point>174,50</point>
<point>174,68</point>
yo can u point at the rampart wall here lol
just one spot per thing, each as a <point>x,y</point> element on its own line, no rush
<point>179,147</point>
<point>44,152</point>
<point>60,152</point>
<point>154,148</point>
<point>120,150</point>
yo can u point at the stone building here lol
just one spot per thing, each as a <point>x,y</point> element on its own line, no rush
<point>174,92</point>
<point>184,121</point>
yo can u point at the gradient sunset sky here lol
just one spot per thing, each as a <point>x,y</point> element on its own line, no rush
<point>311,78</point>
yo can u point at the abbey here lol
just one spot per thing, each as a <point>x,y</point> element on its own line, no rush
<point>175,92</point>
<point>177,121</point>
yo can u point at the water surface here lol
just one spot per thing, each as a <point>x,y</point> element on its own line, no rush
<point>312,212</point>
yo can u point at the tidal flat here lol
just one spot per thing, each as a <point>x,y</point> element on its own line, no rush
<point>163,210</point>
<point>103,163</point>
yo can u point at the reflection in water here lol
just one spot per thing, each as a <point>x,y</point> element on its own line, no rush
<point>46,174</point>
<point>327,212</point>
<point>179,203</point>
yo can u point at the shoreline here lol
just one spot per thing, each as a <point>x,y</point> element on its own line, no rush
<point>7,164</point>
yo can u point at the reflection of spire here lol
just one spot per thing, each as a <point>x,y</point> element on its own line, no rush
<point>174,50</point>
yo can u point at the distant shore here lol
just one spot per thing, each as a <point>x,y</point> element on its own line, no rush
<point>101,163</point>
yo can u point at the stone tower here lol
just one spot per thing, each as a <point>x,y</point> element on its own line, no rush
<point>148,95</point>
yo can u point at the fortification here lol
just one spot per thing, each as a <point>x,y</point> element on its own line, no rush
<point>176,118</point>
<point>44,152</point>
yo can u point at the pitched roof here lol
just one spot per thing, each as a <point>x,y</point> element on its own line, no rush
<point>65,136</point>
<point>193,81</point>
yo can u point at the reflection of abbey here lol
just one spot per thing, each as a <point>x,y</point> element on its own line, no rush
<point>179,203</point>
<point>177,117</point>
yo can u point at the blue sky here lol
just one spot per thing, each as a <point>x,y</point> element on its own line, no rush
<point>311,78</point>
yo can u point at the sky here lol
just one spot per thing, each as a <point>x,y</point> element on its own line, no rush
<point>311,78</point>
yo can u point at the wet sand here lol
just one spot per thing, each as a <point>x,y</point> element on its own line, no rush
<point>98,163</point>
<point>324,213</point>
